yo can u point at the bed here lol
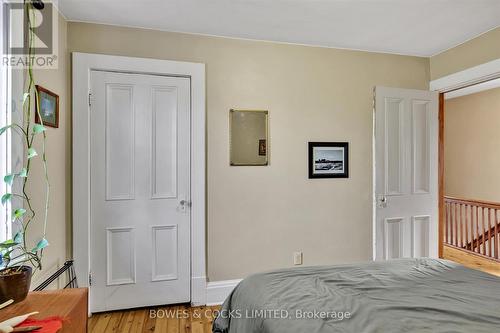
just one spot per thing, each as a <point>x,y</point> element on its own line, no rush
<point>404,295</point>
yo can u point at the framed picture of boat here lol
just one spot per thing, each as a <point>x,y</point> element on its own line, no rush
<point>328,160</point>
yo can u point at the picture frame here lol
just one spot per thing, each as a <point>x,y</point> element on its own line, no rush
<point>248,137</point>
<point>49,107</point>
<point>328,160</point>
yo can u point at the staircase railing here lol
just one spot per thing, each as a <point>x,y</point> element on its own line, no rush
<point>473,225</point>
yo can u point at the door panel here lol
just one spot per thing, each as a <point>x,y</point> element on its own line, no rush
<point>164,128</point>
<point>406,191</point>
<point>120,138</point>
<point>120,256</point>
<point>394,142</point>
<point>140,191</point>
<point>421,146</point>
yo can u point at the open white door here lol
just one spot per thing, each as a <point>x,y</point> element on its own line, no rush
<point>406,173</point>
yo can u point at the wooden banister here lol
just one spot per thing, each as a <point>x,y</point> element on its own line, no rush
<point>473,202</point>
<point>472,225</point>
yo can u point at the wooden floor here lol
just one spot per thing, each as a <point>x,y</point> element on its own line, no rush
<point>471,260</point>
<point>167,319</point>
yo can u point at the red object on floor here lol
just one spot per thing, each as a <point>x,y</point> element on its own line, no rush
<point>49,325</point>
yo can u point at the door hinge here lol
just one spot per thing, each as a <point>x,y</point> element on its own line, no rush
<point>90,99</point>
<point>90,279</point>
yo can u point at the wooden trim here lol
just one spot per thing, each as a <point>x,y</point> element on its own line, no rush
<point>441,175</point>
<point>473,202</point>
<point>471,260</point>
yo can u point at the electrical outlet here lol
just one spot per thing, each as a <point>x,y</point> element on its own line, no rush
<point>297,258</point>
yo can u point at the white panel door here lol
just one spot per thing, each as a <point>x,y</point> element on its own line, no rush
<point>140,216</point>
<point>406,179</point>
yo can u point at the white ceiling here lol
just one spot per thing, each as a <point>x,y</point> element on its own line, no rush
<point>413,27</point>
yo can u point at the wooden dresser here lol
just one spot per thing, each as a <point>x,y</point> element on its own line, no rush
<point>70,304</point>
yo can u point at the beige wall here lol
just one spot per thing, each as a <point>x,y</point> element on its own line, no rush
<point>257,216</point>
<point>472,146</point>
<point>477,51</point>
<point>59,165</point>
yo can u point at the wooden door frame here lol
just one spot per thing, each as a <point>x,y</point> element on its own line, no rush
<point>83,64</point>
<point>441,175</point>
<point>462,79</point>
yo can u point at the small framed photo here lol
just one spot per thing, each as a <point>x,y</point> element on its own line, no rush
<point>328,160</point>
<point>262,147</point>
<point>49,107</point>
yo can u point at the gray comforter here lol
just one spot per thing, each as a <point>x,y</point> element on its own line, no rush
<point>408,295</point>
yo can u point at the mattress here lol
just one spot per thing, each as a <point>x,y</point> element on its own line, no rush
<point>404,295</point>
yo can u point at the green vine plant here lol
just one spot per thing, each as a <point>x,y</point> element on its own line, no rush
<point>16,252</point>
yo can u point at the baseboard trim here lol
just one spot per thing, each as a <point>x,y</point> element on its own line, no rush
<point>198,290</point>
<point>218,291</point>
<point>41,276</point>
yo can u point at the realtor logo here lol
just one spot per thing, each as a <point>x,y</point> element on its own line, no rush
<point>34,23</point>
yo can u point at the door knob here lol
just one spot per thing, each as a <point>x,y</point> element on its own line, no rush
<point>382,201</point>
<point>184,203</point>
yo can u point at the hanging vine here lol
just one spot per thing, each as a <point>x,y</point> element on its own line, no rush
<point>16,251</point>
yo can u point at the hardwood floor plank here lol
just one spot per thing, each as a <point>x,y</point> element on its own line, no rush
<point>196,322</point>
<point>127,321</point>
<point>173,320</point>
<point>149,323</point>
<point>186,320</point>
<point>114,322</point>
<point>185,323</point>
<point>91,323</point>
<point>207,319</point>
<point>138,321</point>
<point>161,324</point>
<point>102,321</point>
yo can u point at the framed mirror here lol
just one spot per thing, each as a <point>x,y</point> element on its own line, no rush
<point>248,137</point>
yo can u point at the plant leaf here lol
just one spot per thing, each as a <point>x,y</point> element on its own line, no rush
<point>18,238</point>
<point>3,129</point>
<point>6,255</point>
<point>6,197</point>
<point>8,244</point>
<point>32,153</point>
<point>19,212</point>
<point>25,97</point>
<point>9,179</point>
<point>23,173</point>
<point>38,128</point>
<point>40,245</point>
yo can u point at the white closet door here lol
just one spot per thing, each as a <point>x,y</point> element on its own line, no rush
<point>140,212</point>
